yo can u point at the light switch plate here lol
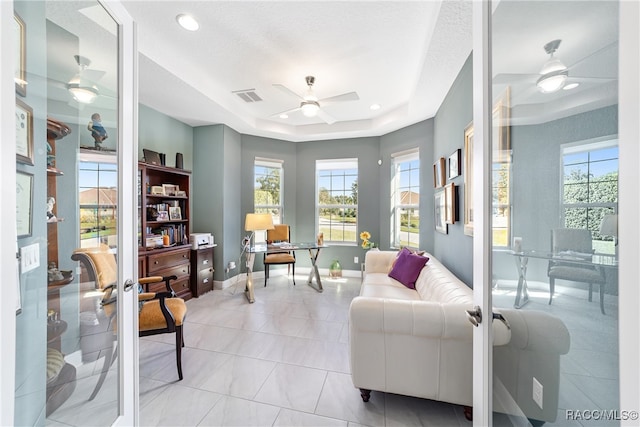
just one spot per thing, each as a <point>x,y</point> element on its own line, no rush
<point>29,257</point>
<point>537,392</point>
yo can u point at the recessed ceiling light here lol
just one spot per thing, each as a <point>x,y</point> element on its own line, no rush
<point>187,22</point>
<point>284,116</point>
<point>571,86</point>
<point>375,107</point>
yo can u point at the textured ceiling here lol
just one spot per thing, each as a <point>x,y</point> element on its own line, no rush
<point>403,55</point>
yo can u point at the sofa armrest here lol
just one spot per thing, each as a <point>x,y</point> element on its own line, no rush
<point>378,261</point>
<point>537,331</point>
<point>417,318</point>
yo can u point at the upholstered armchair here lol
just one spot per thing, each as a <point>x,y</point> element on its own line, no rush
<point>577,243</point>
<point>280,233</point>
<point>159,312</point>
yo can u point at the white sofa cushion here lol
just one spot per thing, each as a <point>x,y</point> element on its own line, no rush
<point>380,285</point>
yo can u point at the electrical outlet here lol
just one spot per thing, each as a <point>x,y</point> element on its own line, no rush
<point>537,392</point>
<point>355,259</point>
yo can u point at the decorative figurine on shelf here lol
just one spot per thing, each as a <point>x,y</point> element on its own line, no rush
<point>50,215</point>
<point>53,274</point>
<point>98,131</point>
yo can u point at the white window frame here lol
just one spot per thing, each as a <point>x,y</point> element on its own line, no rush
<point>582,147</point>
<point>396,200</point>
<point>337,165</point>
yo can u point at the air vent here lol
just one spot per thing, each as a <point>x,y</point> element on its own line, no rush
<point>248,95</point>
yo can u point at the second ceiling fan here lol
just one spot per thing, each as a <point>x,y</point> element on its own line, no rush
<point>310,105</point>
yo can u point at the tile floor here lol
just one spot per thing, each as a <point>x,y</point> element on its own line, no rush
<point>282,361</point>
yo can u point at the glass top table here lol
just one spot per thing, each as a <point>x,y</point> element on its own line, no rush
<point>312,248</point>
<point>571,257</point>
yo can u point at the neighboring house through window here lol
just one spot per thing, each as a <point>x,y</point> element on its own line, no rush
<point>405,199</point>
<point>98,199</point>
<point>590,188</point>
<point>337,200</point>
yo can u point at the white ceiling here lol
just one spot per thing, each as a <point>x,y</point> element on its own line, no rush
<point>403,55</point>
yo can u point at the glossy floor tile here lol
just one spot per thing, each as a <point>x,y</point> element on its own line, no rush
<point>282,361</point>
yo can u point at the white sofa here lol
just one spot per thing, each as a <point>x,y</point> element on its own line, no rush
<point>419,342</point>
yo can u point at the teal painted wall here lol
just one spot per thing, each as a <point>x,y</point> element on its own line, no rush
<point>454,249</point>
<point>163,134</point>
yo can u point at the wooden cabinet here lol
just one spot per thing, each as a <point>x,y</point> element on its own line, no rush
<point>163,206</point>
<point>163,210</point>
<point>202,270</point>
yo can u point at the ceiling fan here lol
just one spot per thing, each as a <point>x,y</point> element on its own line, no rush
<point>554,74</point>
<point>82,85</point>
<point>310,105</point>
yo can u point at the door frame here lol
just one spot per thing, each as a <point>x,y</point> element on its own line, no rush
<point>127,234</point>
<point>629,210</point>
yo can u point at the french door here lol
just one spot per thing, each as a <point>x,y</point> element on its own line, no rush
<point>555,148</point>
<point>74,72</point>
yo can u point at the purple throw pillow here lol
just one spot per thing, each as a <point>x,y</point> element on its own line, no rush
<point>407,268</point>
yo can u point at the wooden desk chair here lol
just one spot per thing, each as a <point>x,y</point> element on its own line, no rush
<point>579,241</point>
<point>280,233</point>
<point>159,312</point>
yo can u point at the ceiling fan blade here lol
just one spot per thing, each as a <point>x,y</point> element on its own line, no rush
<point>507,78</point>
<point>291,110</point>
<point>287,90</point>
<point>93,75</point>
<point>350,96</point>
<point>591,79</point>
<point>326,117</point>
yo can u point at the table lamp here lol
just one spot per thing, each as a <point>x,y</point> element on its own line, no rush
<point>609,227</point>
<point>254,222</point>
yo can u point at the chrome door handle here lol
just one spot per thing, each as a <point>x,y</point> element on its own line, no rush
<point>501,318</point>
<point>474,316</point>
<point>128,285</point>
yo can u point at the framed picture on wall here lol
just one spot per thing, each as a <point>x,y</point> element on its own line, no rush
<point>20,76</point>
<point>450,203</point>
<point>439,203</point>
<point>24,133</point>
<point>24,203</point>
<point>468,180</point>
<point>455,161</point>
<point>438,173</point>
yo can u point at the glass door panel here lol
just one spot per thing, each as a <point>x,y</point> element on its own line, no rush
<point>554,211</point>
<point>68,340</point>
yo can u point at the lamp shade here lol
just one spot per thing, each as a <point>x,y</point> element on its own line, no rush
<point>609,225</point>
<point>258,221</point>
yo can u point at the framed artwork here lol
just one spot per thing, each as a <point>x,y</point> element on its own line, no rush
<point>455,161</point>
<point>450,203</point>
<point>170,189</point>
<point>174,213</point>
<point>438,173</point>
<point>468,180</point>
<point>24,203</point>
<point>439,203</point>
<point>24,133</point>
<point>163,216</point>
<point>501,129</point>
<point>20,76</point>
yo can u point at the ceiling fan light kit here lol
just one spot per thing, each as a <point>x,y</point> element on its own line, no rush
<point>310,104</point>
<point>554,72</point>
<point>82,90</point>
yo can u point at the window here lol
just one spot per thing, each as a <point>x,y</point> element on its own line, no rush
<point>405,199</point>
<point>98,200</point>
<point>267,190</point>
<point>590,188</point>
<point>337,199</point>
<point>501,205</point>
